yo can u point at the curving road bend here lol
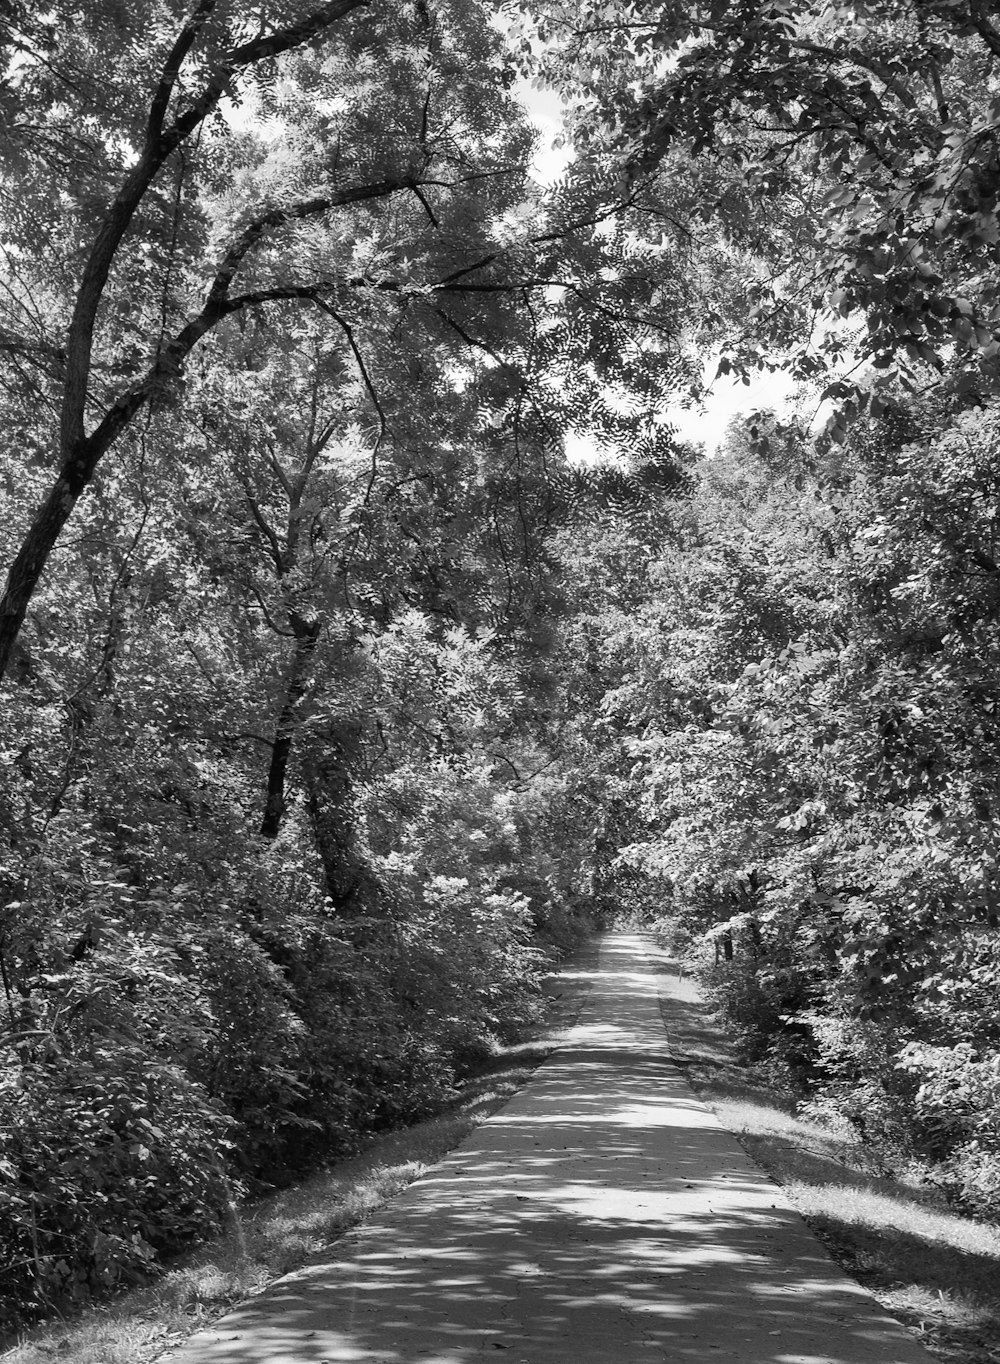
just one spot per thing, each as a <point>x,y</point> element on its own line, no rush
<point>603,1215</point>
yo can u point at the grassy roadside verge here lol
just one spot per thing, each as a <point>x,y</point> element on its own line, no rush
<point>936,1271</point>
<point>296,1226</point>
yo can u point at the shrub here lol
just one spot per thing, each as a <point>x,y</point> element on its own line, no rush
<point>108,1158</point>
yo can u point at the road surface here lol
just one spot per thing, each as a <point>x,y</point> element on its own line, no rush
<point>603,1215</point>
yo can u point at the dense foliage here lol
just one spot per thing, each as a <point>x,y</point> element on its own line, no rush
<point>810,706</point>
<point>291,813</point>
<point>848,150</point>
<point>334,702</point>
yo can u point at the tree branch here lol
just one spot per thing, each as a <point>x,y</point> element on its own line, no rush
<point>171,68</point>
<point>82,454</point>
<point>980,18</point>
<point>41,353</point>
<point>277,217</point>
<point>271,622</point>
<point>427,208</point>
<point>274,547</point>
<point>294,35</point>
<point>366,379</point>
<point>161,144</point>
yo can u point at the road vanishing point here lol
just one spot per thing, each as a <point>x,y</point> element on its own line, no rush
<point>602,1215</point>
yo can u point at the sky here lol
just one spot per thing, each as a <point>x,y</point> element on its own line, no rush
<point>727,397</point>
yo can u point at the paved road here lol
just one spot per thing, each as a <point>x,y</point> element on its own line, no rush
<point>602,1216</point>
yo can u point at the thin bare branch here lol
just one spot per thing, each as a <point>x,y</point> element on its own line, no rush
<point>273,544</point>
<point>366,379</point>
<point>271,622</point>
<point>427,208</point>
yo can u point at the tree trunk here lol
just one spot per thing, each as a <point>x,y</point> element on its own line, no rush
<point>281,749</point>
<point>330,787</point>
<point>32,557</point>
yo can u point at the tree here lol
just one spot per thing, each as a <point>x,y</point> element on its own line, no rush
<point>212,217</point>
<point>806,707</point>
<point>852,148</point>
<point>305,391</point>
<point>130,295</point>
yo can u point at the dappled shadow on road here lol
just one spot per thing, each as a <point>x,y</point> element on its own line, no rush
<point>929,1262</point>
<point>602,1216</point>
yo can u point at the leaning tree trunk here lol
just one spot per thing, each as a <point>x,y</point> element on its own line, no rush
<point>169,123</point>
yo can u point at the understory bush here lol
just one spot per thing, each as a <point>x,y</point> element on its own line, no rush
<point>109,1159</point>
<point>915,1073</point>
<point>165,1046</point>
<point>957,1110</point>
